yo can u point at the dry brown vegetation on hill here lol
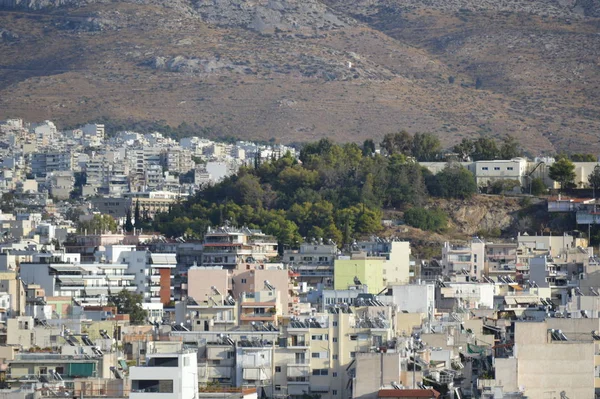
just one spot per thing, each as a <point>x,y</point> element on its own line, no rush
<point>300,70</point>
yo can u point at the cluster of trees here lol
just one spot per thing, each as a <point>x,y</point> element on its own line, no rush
<point>98,224</point>
<point>335,192</point>
<point>424,147</point>
<point>485,148</point>
<point>141,219</point>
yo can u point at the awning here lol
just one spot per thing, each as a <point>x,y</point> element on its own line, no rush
<point>164,259</point>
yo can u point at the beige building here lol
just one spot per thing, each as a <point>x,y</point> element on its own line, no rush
<point>318,351</point>
<point>13,285</point>
<point>551,357</point>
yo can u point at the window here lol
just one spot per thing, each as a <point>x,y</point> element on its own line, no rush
<point>335,357</point>
<point>497,168</point>
<point>243,281</point>
<point>320,372</point>
<point>278,387</point>
<point>352,355</point>
<point>335,323</point>
<point>291,258</point>
<point>319,355</point>
<point>353,337</point>
<point>335,340</point>
<point>335,374</point>
<point>334,392</point>
<point>323,337</point>
<point>509,168</point>
<point>278,369</point>
<point>484,168</point>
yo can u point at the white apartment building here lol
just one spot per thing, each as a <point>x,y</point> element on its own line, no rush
<point>166,375</point>
<point>467,259</point>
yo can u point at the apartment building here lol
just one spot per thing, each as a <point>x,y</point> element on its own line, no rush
<point>230,247</point>
<point>305,354</point>
<point>166,375</point>
<point>553,358</point>
<point>88,284</point>
<point>44,163</point>
<point>359,270</point>
<point>313,263</point>
<point>467,259</point>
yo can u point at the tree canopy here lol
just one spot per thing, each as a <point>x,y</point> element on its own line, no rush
<point>333,192</point>
<point>594,179</point>
<point>98,224</point>
<point>562,171</point>
<point>130,303</point>
<point>486,148</point>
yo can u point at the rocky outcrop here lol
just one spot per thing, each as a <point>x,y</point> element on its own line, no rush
<point>192,65</point>
<point>269,16</point>
<point>481,213</point>
<point>8,36</point>
<point>36,4</point>
<point>552,8</point>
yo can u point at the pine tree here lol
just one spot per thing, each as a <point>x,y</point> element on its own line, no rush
<point>128,223</point>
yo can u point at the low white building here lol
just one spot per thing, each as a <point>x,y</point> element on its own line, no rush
<point>166,375</point>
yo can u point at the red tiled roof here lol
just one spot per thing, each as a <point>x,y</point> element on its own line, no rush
<point>408,393</point>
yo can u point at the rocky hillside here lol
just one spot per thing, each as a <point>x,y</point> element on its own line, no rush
<point>302,69</point>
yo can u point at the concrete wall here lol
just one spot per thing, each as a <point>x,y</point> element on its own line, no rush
<point>547,367</point>
<point>506,374</point>
<point>201,279</point>
<point>369,272</point>
<point>414,298</point>
<point>374,370</point>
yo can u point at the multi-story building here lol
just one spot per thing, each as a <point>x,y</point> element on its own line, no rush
<point>88,284</point>
<point>360,270</point>
<point>305,355</point>
<point>554,358</point>
<point>172,375</point>
<point>467,259</point>
<point>313,263</point>
<point>230,247</point>
<point>152,271</point>
<point>44,163</point>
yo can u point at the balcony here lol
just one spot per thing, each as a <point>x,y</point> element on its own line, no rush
<point>298,371</point>
<point>257,317</point>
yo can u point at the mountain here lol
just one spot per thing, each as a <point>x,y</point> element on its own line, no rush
<point>298,70</point>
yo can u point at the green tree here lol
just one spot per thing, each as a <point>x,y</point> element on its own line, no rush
<point>509,148</point>
<point>368,147</point>
<point>7,204</point>
<point>130,303</point>
<point>594,179</point>
<point>562,171</point>
<point>98,224</point>
<point>538,187</point>
<point>128,222</point>
<point>452,182</point>
<point>464,149</point>
<point>425,147</point>
<point>485,148</point>
<point>137,215</point>
<point>397,143</point>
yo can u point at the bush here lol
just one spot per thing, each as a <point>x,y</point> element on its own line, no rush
<point>426,219</point>
<point>538,187</point>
